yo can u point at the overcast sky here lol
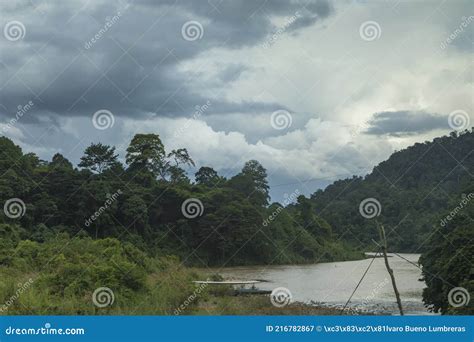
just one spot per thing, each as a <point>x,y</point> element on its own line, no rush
<point>314,90</point>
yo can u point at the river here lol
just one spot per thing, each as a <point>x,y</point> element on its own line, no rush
<point>331,284</point>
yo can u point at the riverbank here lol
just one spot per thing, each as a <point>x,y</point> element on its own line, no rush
<point>329,285</point>
<point>260,305</point>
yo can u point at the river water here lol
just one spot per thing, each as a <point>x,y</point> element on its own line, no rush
<point>331,284</point>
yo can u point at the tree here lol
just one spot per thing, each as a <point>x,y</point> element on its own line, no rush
<point>172,167</point>
<point>207,176</point>
<point>447,260</point>
<point>181,157</point>
<point>135,212</point>
<point>254,171</point>
<point>308,219</point>
<point>98,157</point>
<point>60,162</point>
<point>177,175</point>
<point>146,151</point>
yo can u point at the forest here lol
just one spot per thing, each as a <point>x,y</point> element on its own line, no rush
<point>143,226</point>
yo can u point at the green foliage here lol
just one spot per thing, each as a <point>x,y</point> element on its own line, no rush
<point>146,151</point>
<point>146,207</point>
<point>98,158</point>
<point>127,223</point>
<point>413,186</point>
<point>447,262</point>
<point>207,176</point>
<point>63,273</point>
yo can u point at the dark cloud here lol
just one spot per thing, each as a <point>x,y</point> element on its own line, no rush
<point>404,122</point>
<point>132,69</point>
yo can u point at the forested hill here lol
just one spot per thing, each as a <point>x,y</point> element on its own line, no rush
<point>416,188</point>
<point>151,203</point>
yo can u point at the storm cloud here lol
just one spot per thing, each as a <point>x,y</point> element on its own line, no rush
<point>81,56</point>
<point>404,122</point>
<point>348,100</point>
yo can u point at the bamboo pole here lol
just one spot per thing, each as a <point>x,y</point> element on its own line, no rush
<point>390,271</point>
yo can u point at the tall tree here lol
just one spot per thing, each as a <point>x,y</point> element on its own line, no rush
<point>181,157</point>
<point>98,157</point>
<point>60,162</point>
<point>258,174</point>
<point>146,151</point>
<point>207,176</point>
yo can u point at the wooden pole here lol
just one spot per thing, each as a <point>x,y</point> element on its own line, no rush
<point>390,271</point>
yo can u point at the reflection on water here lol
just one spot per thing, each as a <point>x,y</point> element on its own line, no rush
<point>332,283</point>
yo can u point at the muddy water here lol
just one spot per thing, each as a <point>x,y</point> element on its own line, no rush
<point>331,284</point>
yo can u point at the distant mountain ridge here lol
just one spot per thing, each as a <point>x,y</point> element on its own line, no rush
<point>414,187</point>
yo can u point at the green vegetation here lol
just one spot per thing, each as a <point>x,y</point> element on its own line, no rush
<point>60,275</point>
<point>448,260</point>
<point>418,188</point>
<point>414,187</point>
<point>128,227</point>
<point>143,205</point>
